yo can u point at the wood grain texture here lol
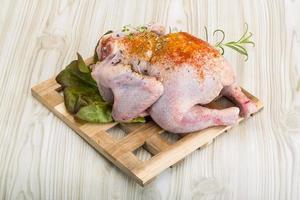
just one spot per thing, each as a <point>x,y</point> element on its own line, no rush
<point>41,158</point>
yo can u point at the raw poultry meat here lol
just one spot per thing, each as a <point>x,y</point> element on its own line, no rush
<point>170,77</point>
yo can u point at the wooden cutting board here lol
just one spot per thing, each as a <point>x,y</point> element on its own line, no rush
<point>147,135</point>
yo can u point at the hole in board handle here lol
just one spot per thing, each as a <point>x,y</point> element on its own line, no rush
<point>142,153</point>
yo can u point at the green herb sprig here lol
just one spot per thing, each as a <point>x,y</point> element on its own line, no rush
<point>129,28</point>
<point>141,28</point>
<point>239,45</point>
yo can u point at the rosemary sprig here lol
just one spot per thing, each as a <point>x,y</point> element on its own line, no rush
<point>238,46</point>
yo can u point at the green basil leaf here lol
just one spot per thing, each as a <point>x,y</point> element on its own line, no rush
<point>78,96</point>
<point>86,78</point>
<point>81,64</point>
<point>67,78</point>
<point>96,113</point>
<point>80,103</point>
<point>108,32</point>
<point>72,76</point>
<point>95,57</point>
<point>138,120</point>
<point>70,100</point>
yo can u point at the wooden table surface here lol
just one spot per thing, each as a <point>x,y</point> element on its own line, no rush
<point>41,158</point>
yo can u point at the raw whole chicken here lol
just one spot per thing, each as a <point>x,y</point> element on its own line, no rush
<point>170,77</point>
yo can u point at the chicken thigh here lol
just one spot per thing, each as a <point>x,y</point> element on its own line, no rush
<point>169,76</point>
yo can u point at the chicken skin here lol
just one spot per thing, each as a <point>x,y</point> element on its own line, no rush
<point>170,77</point>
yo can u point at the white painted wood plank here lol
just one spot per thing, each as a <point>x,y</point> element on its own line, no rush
<point>41,158</point>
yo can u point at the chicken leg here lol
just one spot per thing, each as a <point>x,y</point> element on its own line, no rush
<point>234,93</point>
<point>193,119</point>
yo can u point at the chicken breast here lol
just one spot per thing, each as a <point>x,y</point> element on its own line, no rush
<point>169,76</point>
